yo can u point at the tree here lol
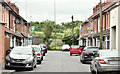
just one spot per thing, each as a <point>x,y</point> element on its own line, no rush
<point>48,28</point>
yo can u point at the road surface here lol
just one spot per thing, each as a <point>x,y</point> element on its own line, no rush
<point>58,61</point>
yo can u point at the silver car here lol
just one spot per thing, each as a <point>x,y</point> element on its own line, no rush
<point>21,57</point>
<point>108,61</point>
<point>38,52</point>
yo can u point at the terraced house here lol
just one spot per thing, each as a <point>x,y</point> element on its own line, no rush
<point>90,29</point>
<point>14,29</point>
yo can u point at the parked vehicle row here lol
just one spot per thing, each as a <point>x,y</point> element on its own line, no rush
<point>25,57</point>
<point>102,61</point>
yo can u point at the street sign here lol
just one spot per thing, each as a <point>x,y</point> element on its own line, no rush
<point>89,29</point>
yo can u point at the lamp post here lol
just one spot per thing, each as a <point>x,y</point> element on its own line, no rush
<point>101,24</point>
<point>72,31</point>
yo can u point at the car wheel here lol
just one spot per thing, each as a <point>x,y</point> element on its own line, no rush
<point>33,67</point>
<point>83,62</point>
<point>92,71</point>
<point>99,72</point>
<point>46,51</point>
<point>41,58</point>
<point>44,54</point>
<point>40,62</point>
<point>6,67</point>
<point>70,54</point>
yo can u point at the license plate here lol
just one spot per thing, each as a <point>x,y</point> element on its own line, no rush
<point>114,62</point>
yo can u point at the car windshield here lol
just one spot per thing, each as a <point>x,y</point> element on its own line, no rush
<point>109,53</point>
<point>22,51</point>
<point>65,45</point>
<point>75,46</point>
<point>92,49</point>
<point>42,44</point>
<point>36,49</point>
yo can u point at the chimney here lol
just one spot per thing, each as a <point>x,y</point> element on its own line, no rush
<point>15,8</point>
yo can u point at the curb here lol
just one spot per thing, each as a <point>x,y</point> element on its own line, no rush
<point>8,72</point>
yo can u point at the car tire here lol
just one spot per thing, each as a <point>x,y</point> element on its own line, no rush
<point>41,58</point>
<point>92,71</point>
<point>83,62</point>
<point>46,51</point>
<point>70,54</point>
<point>40,62</point>
<point>6,67</point>
<point>99,72</point>
<point>33,67</point>
<point>44,54</point>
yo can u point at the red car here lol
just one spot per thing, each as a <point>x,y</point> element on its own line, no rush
<point>75,49</point>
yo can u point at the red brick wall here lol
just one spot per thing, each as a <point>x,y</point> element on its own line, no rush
<point>2,42</point>
<point>7,44</point>
<point>84,28</point>
<point>95,27</point>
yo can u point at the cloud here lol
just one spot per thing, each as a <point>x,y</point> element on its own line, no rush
<point>41,10</point>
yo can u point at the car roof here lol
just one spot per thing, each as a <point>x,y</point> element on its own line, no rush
<point>33,45</point>
<point>75,45</point>
<point>92,46</point>
<point>22,47</point>
<point>66,44</point>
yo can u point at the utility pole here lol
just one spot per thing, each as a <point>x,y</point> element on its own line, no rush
<point>26,9</point>
<point>101,25</point>
<point>72,31</point>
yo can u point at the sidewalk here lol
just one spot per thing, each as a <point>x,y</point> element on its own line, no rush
<point>3,71</point>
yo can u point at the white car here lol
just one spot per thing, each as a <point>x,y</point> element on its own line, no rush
<point>65,47</point>
<point>38,52</point>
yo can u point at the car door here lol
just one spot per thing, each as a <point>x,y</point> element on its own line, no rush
<point>34,57</point>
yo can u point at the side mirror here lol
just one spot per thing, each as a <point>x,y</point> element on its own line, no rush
<point>33,54</point>
<point>8,52</point>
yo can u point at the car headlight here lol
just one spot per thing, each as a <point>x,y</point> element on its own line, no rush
<point>8,58</point>
<point>29,59</point>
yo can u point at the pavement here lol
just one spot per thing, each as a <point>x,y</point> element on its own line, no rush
<point>3,71</point>
<point>58,61</point>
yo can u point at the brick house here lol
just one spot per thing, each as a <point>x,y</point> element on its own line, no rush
<point>14,29</point>
<point>92,38</point>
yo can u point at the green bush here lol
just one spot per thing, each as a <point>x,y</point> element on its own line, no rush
<point>56,45</point>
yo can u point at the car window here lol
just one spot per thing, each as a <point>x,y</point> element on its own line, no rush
<point>66,46</point>
<point>22,51</point>
<point>92,49</point>
<point>75,46</point>
<point>109,53</point>
<point>36,49</point>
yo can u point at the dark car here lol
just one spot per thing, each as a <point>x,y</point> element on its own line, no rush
<point>21,57</point>
<point>89,53</point>
<point>38,52</point>
<point>44,47</point>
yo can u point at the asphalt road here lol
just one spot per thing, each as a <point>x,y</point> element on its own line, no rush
<point>58,61</point>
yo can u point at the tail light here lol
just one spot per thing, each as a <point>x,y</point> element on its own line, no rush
<point>102,61</point>
<point>38,54</point>
<point>43,50</point>
<point>86,53</point>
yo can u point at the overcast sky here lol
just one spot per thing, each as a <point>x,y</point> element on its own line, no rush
<point>41,10</point>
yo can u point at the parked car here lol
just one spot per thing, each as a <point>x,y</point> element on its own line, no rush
<point>75,49</point>
<point>89,53</point>
<point>38,52</point>
<point>107,61</point>
<point>65,47</point>
<point>44,47</point>
<point>21,57</point>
